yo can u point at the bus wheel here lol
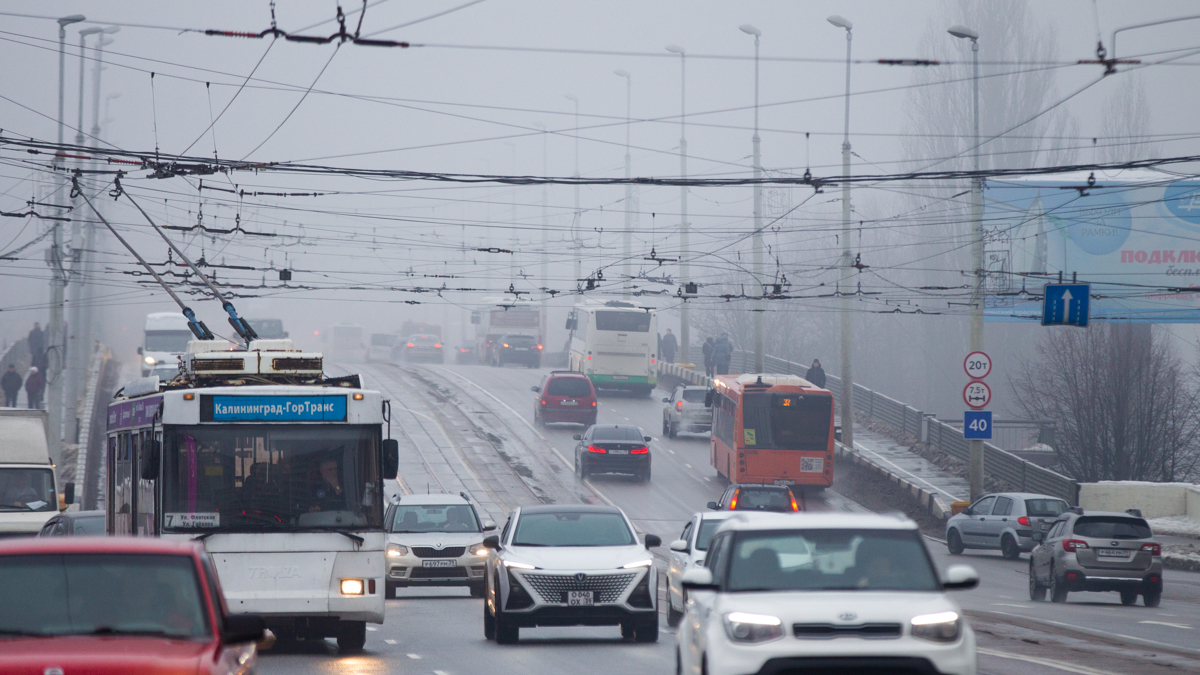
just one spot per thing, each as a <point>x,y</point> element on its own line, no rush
<point>351,636</point>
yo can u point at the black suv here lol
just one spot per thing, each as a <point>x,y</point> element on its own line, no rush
<point>613,448</point>
<point>754,497</point>
<point>515,348</point>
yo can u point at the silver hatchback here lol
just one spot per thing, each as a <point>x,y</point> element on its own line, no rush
<point>1098,551</point>
<point>1006,521</point>
<point>685,412</point>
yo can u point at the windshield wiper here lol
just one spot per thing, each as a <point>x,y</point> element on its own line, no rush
<point>352,537</point>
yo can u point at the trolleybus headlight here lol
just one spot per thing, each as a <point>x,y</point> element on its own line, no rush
<point>149,360</point>
<point>396,550</point>
<point>352,586</point>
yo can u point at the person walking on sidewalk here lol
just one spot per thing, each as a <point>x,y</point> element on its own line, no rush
<point>816,374</point>
<point>709,361</point>
<point>668,347</point>
<point>35,384</point>
<point>11,384</point>
<point>723,354</point>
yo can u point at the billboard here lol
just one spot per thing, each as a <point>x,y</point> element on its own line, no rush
<point>1133,235</point>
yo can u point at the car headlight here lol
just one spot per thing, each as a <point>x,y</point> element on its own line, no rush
<point>743,627</point>
<point>149,360</point>
<point>641,563</point>
<point>396,550</point>
<point>518,565</point>
<point>478,549</point>
<point>940,627</point>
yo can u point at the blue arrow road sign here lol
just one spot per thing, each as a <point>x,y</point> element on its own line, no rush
<point>1066,305</point>
<point>977,425</point>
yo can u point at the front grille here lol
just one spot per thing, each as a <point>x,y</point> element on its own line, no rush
<point>199,365</point>
<point>296,363</point>
<point>437,572</point>
<point>553,587</point>
<point>430,552</point>
<point>821,631</point>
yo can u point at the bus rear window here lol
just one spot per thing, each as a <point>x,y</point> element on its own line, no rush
<point>624,322</point>
<point>786,421</point>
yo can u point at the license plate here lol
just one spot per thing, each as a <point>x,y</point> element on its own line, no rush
<point>812,464</point>
<point>1044,527</point>
<point>1112,553</point>
<point>784,481</point>
<point>522,349</point>
<point>620,377</point>
<point>569,403</point>
<point>439,563</point>
<point>618,452</point>
<point>580,598</point>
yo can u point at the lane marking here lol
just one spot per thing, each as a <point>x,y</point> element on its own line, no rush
<point>415,657</point>
<point>1059,665</point>
<point>1098,633</point>
<point>440,672</point>
<point>372,628</point>
<point>1172,625</point>
<point>1008,604</point>
<point>390,642</point>
<point>688,465</point>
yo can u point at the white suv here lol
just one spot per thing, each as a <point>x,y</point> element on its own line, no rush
<point>435,540</point>
<point>687,553</point>
<point>829,592</point>
<point>570,565</point>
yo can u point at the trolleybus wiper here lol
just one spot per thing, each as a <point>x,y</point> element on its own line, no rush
<point>352,537</point>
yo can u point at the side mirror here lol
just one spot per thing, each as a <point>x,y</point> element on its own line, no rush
<point>492,543</point>
<point>680,545</point>
<point>647,438</point>
<point>698,579</point>
<point>150,460</point>
<point>285,333</point>
<point>713,505</point>
<point>960,578</point>
<point>666,400</point>
<point>69,493</point>
<point>489,525</point>
<point>577,437</point>
<point>535,390</point>
<point>1039,537</point>
<point>391,458</point>
<point>243,628</point>
<point>139,351</point>
<point>967,512</point>
<point>653,540</point>
<point>708,398</point>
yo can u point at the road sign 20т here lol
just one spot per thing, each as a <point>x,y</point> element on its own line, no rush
<point>977,425</point>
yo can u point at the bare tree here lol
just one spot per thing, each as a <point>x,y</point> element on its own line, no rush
<point>1126,407</point>
<point>1125,122</point>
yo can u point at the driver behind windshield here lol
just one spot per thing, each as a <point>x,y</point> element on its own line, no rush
<point>328,494</point>
<point>20,491</point>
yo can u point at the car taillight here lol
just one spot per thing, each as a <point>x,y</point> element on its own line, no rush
<point>437,346</point>
<point>593,404</point>
<point>539,346</point>
<point>543,401</point>
<point>733,502</point>
<point>795,506</point>
<point>640,451</point>
<point>1070,545</point>
<point>1023,521</point>
<point>1155,549</point>
<point>651,360</point>
<point>592,448</point>
<point>679,405</point>
<point>411,345</point>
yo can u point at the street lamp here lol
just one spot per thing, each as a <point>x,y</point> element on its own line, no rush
<point>626,269</point>
<point>964,33</point>
<point>576,225</point>
<point>757,235</point>
<point>684,227</point>
<point>847,350</point>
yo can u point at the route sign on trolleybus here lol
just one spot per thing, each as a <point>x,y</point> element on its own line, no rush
<point>279,469</point>
<point>978,365</point>
<point>772,429</point>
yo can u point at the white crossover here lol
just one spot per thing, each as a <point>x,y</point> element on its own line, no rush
<point>435,540</point>
<point>687,553</point>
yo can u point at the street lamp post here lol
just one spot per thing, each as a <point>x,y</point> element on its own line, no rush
<point>962,32</point>
<point>685,331</point>
<point>58,279</point>
<point>576,225</point>
<point>627,245</point>
<point>847,350</point>
<point>757,235</point>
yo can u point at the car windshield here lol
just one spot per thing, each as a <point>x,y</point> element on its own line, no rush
<point>577,387</point>
<point>694,395</point>
<point>623,322</point>
<point>1045,508</point>
<point>572,528</point>
<point>787,421</point>
<point>257,477</point>
<point>519,340</point>
<point>822,560</point>
<point>168,340</point>
<point>89,526</point>
<point>73,594</point>
<point>1112,527</point>
<point>617,434</point>
<point>268,329</point>
<point>707,529</point>
<point>763,499</point>
<point>410,518</point>
<point>27,490</point>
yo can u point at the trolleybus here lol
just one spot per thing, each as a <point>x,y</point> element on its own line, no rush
<point>616,345</point>
<point>772,429</point>
<point>277,468</point>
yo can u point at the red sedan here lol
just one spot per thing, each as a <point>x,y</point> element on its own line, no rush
<point>118,605</point>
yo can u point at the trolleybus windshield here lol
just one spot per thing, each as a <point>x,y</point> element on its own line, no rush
<point>269,477</point>
<point>786,421</point>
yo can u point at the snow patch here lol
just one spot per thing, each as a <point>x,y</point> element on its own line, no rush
<point>1180,526</point>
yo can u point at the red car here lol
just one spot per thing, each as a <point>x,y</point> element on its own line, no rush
<point>103,605</point>
<point>565,396</point>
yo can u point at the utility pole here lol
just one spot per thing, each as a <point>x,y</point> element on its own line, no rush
<point>627,247</point>
<point>975,470</point>
<point>685,326</point>
<point>545,228</point>
<point>58,277</point>
<point>757,239</point>
<point>844,290</point>
<point>576,224</point>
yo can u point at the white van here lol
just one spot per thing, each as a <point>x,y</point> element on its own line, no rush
<point>165,340</point>
<point>28,484</point>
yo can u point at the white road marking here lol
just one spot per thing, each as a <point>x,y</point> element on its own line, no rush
<point>1091,631</point>
<point>390,642</point>
<point>439,672</point>
<point>670,451</point>
<point>1172,625</point>
<point>1058,665</point>
<point>372,628</point>
<point>688,465</point>
<point>1006,604</point>
<point>415,657</point>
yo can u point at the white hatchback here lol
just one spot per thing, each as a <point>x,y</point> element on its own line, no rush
<point>687,553</point>
<point>829,592</point>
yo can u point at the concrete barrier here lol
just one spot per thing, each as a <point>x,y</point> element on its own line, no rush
<point>1156,500</point>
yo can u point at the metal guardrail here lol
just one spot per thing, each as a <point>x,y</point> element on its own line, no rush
<point>1021,474</point>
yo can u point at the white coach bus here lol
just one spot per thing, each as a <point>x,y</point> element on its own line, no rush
<point>616,345</point>
<point>278,469</point>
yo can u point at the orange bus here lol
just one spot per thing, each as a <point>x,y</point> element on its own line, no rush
<point>772,429</point>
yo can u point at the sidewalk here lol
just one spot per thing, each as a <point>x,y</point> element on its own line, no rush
<point>887,453</point>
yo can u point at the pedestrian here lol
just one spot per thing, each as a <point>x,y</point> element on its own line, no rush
<point>11,384</point>
<point>36,341</point>
<point>709,361</point>
<point>35,384</point>
<point>667,350</point>
<point>816,374</point>
<point>723,354</point>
